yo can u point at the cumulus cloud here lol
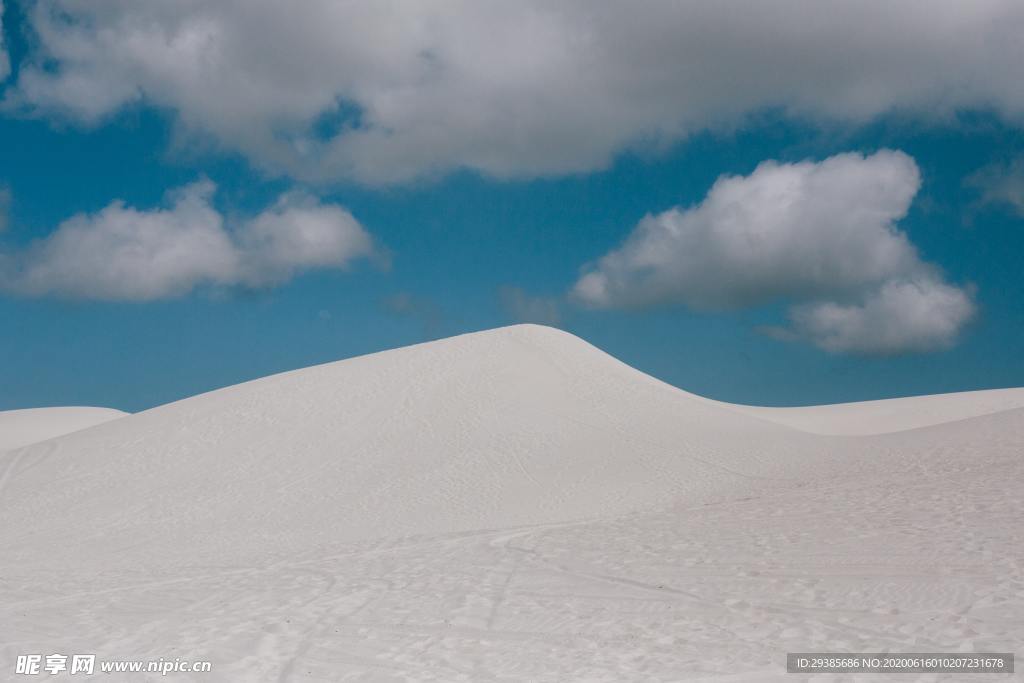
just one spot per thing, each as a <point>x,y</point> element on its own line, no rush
<point>1001,183</point>
<point>128,254</point>
<point>786,230</point>
<point>820,234</point>
<point>389,91</point>
<point>298,233</point>
<point>524,308</point>
<point>903,316</point>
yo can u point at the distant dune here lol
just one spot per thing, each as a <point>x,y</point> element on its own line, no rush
<point>23,427</point>
<point>891,415</point>
<point>517,505</point>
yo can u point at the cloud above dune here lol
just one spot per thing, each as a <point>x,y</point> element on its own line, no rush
<point>424,310</point>
<point>298,233</point>
<point>384,93</point>
<point>786,230</point>
<point>820,235</point>
<point>914,315</point>
<point>128,254</point>
<point>523,307</point>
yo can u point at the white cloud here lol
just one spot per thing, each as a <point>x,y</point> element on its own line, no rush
<point>298,233</point>
<point>786,230</point>
<point>386,92</point>
<point>1001,183</point>
<point>822,235</point>
<point>903,316</point>
<point>524,308</point>
<point>123,253</point>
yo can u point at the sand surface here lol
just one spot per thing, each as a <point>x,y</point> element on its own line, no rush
<point>23,427</point>
<point>513,505</point>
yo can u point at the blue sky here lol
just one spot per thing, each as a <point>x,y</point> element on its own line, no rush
<point>170,229</point>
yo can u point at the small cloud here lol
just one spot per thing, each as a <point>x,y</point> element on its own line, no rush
<point>421,309</point>
<point>907,316</point>
<point>1000,184</point>
<point>126,254</point>
<point>298,233</point>
<point>523,308</point>
<point>5,206</point>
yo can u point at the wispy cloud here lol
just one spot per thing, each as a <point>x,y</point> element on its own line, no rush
<point>525,308</point>
<point>5,206</point>
<point>1001,183</point>
<point>5,62</point>
<point>419,308</point>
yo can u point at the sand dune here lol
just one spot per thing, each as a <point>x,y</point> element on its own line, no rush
<point>23,427</point>
<point>513,505</point>
<point>891,415</point>
<point>523,425</point>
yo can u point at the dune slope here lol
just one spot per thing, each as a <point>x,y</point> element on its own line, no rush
<point>513,505</point>
<point>521,425</point>
<point>891,415</point>
<point>23,427</point>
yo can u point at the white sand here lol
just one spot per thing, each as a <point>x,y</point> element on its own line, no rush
<point>23,427</point>
<point>891,415</point>
<point>513,505</point>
